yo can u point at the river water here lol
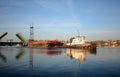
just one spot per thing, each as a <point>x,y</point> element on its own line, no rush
<point>59,62</point>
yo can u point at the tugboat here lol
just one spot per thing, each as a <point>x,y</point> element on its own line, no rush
<point>75,41</point>
<point>80,42</point>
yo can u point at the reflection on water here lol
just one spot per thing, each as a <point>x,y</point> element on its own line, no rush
<point>3,57</point>
<point>59,62</point>
<point>45,52</point>
<point>79,54</point>
<point>20,54</point>
<point>49,52</point>
<point>31,57</point>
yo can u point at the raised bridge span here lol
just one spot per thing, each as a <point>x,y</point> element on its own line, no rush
<point>22,38</point>
<point>3,35</point>
<point>23,42</point>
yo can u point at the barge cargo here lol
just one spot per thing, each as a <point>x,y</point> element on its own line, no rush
<point>45,44</point>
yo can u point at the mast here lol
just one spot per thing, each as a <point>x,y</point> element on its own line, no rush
<point>31,32</point>
<point>78,33</point>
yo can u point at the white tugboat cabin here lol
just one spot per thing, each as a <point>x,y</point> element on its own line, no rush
<point>79,40</point>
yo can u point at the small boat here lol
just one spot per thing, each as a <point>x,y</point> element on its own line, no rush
<point>79,40</point>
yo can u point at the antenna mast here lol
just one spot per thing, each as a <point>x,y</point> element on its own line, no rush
<point>78,33</point>
<point>31,32</point>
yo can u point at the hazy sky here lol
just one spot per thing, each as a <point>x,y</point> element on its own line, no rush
<point>60,19</point>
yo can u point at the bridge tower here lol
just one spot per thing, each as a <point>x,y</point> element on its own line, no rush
<point>31,32</point>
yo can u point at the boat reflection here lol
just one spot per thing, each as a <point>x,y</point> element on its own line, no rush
<point>79,54</point>
<point>49,52</point>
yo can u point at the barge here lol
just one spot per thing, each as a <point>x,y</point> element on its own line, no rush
<point>45,44</point>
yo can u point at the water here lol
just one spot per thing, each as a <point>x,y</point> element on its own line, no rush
<point>59,62</point>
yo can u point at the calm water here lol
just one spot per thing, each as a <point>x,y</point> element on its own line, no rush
<point>23,62</point>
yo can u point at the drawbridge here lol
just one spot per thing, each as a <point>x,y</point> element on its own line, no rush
<point>23,42</point>
<point>4,34</point>
<point>22,38</point>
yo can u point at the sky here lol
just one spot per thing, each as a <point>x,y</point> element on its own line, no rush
<point>60,19</point>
